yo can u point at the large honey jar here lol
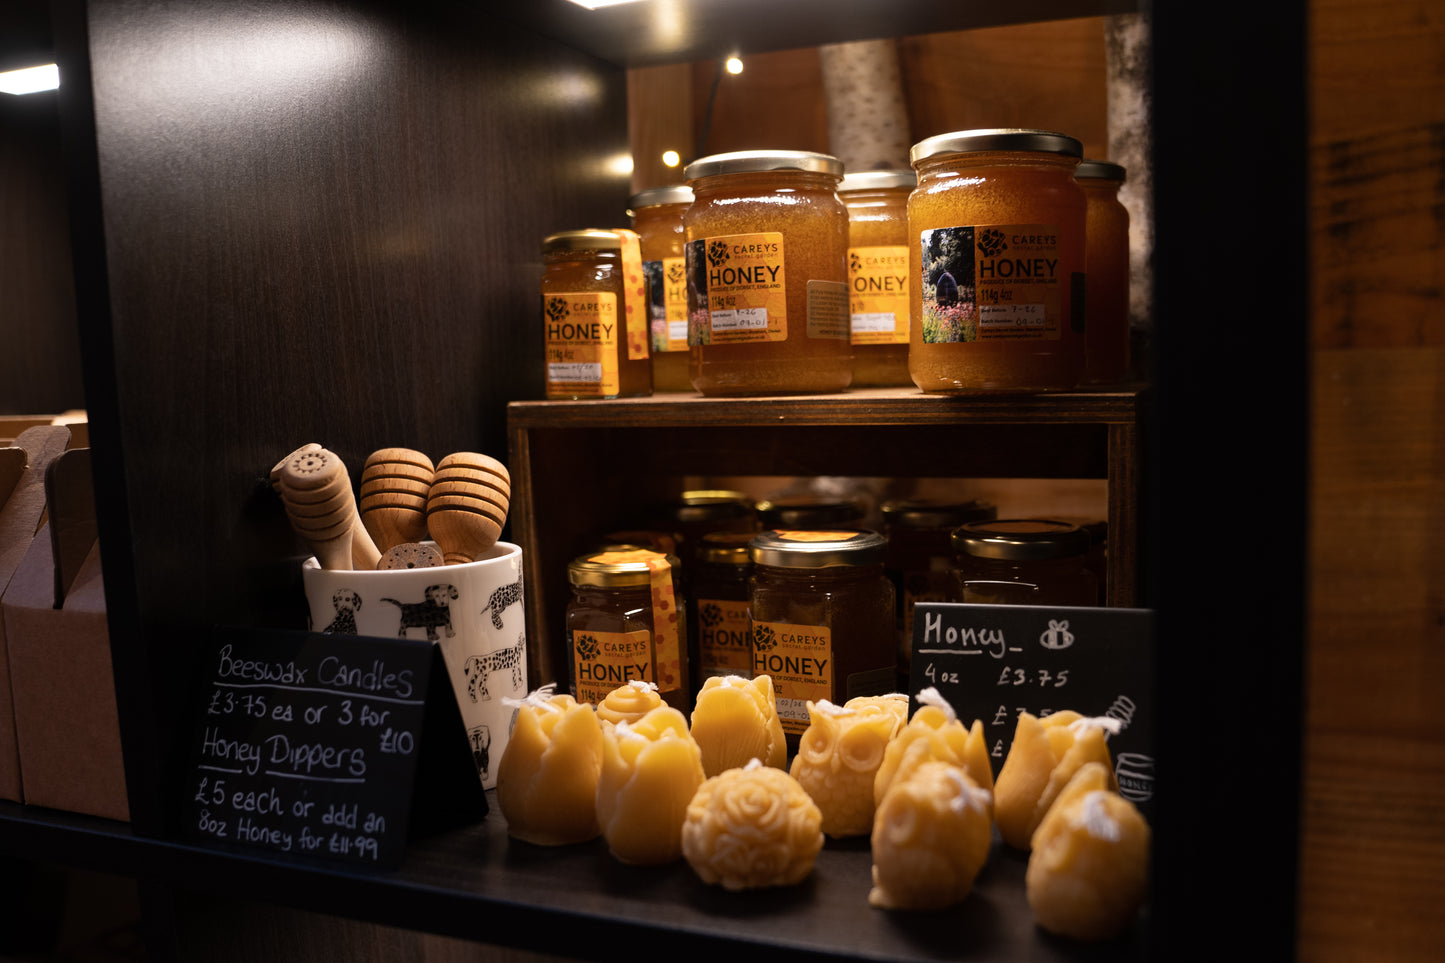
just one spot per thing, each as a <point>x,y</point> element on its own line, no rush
<point>718,606</point>
<point>877,203</point>
<point>1106,302</point>
<point>657,219</point>
<point>997,222</point>
<point>594,346</point>
<point>1024,561</point>
<point>767,241</point>
<point>626,622</point>
<point>821,614</point>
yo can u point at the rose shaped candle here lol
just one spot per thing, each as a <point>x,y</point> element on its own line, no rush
<point>931,837</point>
<point>735,720</point>
<point>629,703</point>
<point>752,827</point>
<point>1088,872</point>
<point>1044,755</point>
<point>650,771</point>
<point>547,779</point>
<point>838,758</point>
<point>935,733</point>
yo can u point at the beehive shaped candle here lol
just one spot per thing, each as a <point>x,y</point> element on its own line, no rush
<point>750,828</point>
<point>651,769</point>
<point>931,837</point>
<point>838,759</point>
<point>935,733</point>
<point>629,703</point>
<point>547,779</point>
<point>1088,872</point>
<point>1044,755</point>
<point>736,720</point>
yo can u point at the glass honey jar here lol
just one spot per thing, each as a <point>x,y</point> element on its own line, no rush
<point>657,218</point>
<point>627,622</point>
<point>718,606</point>
<point>1025,561</point>
<point>811,512</point>
<point>767,242</point>
<point>877,204</point>
<point>1106,302</point>
<point>998,256</point>
<point>821,615</point>
<point>591,349</point>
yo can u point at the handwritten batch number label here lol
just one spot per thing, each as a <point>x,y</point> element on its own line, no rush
<point>309,747</point>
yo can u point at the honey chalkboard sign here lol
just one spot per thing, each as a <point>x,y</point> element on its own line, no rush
<point>993,662</point>
<point>308,744</point>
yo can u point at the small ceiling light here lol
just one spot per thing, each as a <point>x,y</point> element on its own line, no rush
<point>671,158</point>
<point>735,65</point>
<point>29,80</point>
<point>594,4</point>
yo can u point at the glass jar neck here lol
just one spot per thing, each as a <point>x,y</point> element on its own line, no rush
<point>978,163</point>
<point>760,182</point>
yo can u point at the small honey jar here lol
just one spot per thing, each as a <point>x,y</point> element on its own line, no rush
<point>1106,302</point>
<point>657,219</point>
<point>595,347</point>
<point>1024,561</point>
<point>718,606</point>
<point>811,512</point>
<point>821,618</point>
<point>997,222</point>
<point>877,203</point>
<point>767,243</point>
<point>626,623</point>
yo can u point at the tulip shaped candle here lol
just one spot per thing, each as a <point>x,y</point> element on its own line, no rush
<point>629,703</point>
<point>651,769</point>
<point>1044,755</point>
<point>838,759</point>
<point>752,827</point>
<point>736,720</point>
<point>931,837</point>
<point>935,733</point>
<point>547,779</point>
<point>1088,871</point>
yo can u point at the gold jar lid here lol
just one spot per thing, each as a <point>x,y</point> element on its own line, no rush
<point>653,196</point>
<point>817,549</point>
<point>589,239</point>
<point>923,514</point>
<point>810,511</point>
<point>704,506</point>
<point>725,548</point>
<point>752,161</point>
<point>1099,170</point>
<point>617,566</point>
<point>997,139</point>
<point>1021,539</point>
<point>881,180</point>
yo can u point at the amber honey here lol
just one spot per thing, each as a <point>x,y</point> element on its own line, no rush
<point>1106,303</point>
<point>767,239</point>
<point>998,256</point>
<point>590,351</point>
<point>718,606</point>
<point>657,218</point>
<point>877,204</point>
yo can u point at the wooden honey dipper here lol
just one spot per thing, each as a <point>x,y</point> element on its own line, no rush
<point>316,490</point>
<point>467,505</point>
<point>364,554</point>
<point>393,494</point>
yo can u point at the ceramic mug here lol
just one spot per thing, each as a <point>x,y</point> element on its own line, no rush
<point>473,610</point>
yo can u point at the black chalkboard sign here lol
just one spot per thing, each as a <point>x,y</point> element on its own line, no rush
<point>993,662</point>
<point>307,744</point>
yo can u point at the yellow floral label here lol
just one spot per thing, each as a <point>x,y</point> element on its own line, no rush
<point>634,294</point>
<point>878,294</point>
<point>724,643</point>
<point>581,344</point>
<point>602,661</point>
<point>800,660</point>
<point>741,286</point>
<point>997,282</point>
<point>667,303</point>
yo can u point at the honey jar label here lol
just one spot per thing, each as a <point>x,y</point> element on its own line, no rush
<point>740,287</point>
<point>828,310</point>
<point>581,344</point>
<point>724,644</point>
<point>667,303</point>
<point>634,295</point>
<point>998,282</point>
<point>602,661</point>
<point>878,294</point>
<point>799,658</point>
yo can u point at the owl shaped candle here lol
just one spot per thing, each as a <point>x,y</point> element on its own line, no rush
<point>931,837</point>
<point>838,759</point>
<point>651,769</point>
<point>736,720</point>
<point>935,733</point>
<point>1044,755</point>
<point>547,779</point>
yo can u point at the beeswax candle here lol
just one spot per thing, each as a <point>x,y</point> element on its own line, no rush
<point>935,733</point>
<point>838,758</point>
<point>1088,872</point>
<point>651,769</point>
<point>1044,755</point>
<point>736,720</point>
<point>547,779</point>
<point>931,838</point>
<point>750,828</point>
<point>629,703</point>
